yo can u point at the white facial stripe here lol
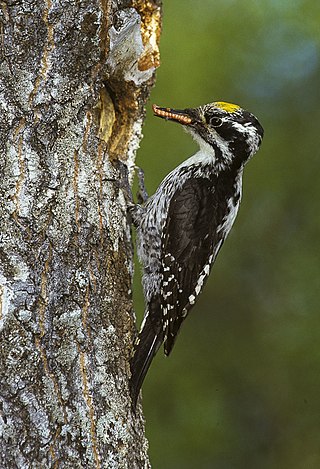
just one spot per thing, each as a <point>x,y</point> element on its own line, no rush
<point>250,133</point>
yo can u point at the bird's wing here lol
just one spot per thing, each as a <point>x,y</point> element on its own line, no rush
<point>190,243</point>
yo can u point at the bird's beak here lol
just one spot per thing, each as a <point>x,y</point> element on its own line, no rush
<point>183,117</point>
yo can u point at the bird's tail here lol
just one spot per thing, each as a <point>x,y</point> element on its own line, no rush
<point>148,342</point>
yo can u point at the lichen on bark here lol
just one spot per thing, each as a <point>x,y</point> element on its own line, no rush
<point>74,79</point>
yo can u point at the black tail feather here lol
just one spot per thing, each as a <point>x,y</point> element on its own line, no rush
<point>149,340</point>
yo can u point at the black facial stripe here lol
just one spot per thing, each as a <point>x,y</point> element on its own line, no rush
<point>227,132</point>
<point>241,149</point>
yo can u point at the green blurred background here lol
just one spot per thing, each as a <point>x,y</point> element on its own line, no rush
<point>242,386</point>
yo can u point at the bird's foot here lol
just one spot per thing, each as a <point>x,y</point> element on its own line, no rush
<point>142,194</point>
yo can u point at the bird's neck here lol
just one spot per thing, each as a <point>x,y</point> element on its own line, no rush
<point>210,158</point>
<point>217,153</point>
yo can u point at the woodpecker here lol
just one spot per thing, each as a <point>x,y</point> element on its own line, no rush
<point>181,228</point>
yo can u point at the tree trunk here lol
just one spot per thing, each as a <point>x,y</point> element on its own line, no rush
<point>74,79</point>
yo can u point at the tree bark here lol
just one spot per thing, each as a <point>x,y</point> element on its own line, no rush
<point>74,79</point>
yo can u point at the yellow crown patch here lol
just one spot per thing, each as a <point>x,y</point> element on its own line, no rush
<point>228,107</point>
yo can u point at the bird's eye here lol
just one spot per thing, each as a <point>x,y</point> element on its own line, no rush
<point>215,121</point>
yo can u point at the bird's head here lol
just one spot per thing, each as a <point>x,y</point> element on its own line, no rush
<point>230,133</point>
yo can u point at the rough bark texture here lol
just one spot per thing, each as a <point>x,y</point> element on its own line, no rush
<point>74,78</point>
